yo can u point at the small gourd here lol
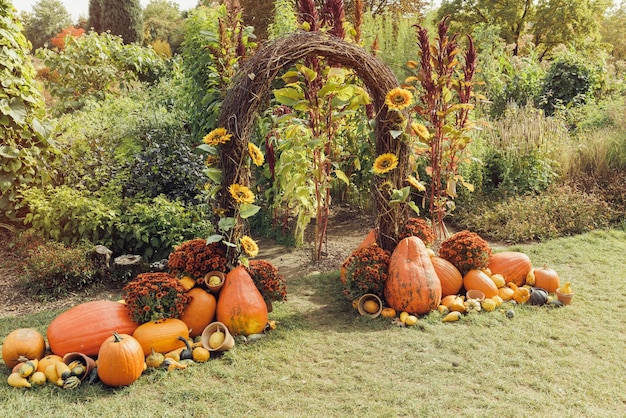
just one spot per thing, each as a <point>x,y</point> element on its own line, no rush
<point>187,352</point>
<point>154,359</point>
<point>520,294</point>
<point>37,378</point>
<point>488,304</point>
<point>201,354</point>
<point>452,316</point>
<point>71,382</point>
<point>388,313</point>
<point>538,296</point>
<point>17,381</point>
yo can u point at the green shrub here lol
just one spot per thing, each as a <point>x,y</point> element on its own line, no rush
<point>559,211</point>
<point>53,269</point>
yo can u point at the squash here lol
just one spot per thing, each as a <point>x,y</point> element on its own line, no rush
<point>449,276</point>
<point>241,307</point>
<point>48,360</point>
<point>512,265</point>
<point>85,326</point>
<point>477,280</point>
<point>452,317</point>
<point>412,284</point>
<point>199,312</point>
<point>18,381</point>
<point>201,354</point>
<point>498,280</point>
<point>546,278</point>
<point>388,312</point>
<point>120,360</point>
<point>21,345</point>
<point>162,335</point>
<point>538,296</point>
<point>154,359</point>
<point>505,293</point>
<point>369,239</point>
<point>520,294</point>
<point>187,352</point>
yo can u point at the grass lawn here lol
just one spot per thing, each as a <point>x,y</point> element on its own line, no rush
<point>325,360</point>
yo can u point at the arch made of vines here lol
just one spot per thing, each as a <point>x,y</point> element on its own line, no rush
<point>251,87</point>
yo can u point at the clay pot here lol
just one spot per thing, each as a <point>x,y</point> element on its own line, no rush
<point>215,289</point>
<point>365,298</point>
<point>565,298</point>
<point>89,363</point>
<point>229,341</point>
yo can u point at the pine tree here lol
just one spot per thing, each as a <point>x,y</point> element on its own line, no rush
<point>95,15</point>
<point>123,18</point>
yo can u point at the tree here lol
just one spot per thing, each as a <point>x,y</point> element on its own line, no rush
<point>48,18</point>
<point>123,18</point>
<point>95,15</point>
<point>162,21</point>
<point>612,31</point>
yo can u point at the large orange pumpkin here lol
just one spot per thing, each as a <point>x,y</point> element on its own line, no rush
<point>547,279</point>
<point>412,284</point>
<point>162,335</point>
<point>369,239</point>
<point>120,360</point>
<point>84,327</point>
<point>199,312</point>
<point>240,306</point>
<point>512,265</point>
<point>449,276</point>
<point>21,345</point>
<point>478,280</point>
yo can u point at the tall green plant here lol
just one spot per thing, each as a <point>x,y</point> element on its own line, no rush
<point>25,146</point>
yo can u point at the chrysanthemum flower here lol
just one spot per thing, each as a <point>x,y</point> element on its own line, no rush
<point>398,99</point>
<point>217,136</point>
<point>249,246</point>
<point>415,183</point>
<point>385,163</point>
<point>255,154</point>
<point>241,193</point>
<point>420,130</point>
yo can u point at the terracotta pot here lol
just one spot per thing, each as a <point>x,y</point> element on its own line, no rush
<point>215,289</point>
<point>565,298</point>
<point>229,341</point>
<point>365,298</point>
<point>89,363</point>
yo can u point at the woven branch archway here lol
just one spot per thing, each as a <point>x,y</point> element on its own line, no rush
<point>251,87</point>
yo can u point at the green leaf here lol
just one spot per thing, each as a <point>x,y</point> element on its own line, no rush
<point>247,210</point>
<point>402,194</point>
<point>244,261</point>
<point>395,134</point>
<point>288,96</point>
<point>226,224</point>
<point>207,148</point>
<point>9,152</point>
<point>290,77</point>
<point>345,94</point>
<point>215,174</point>
<point>413,206</point>
<point>214,238</point>
<point>342,176</point>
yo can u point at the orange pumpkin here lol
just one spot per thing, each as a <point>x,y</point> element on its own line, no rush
<point>370,239</point>
<point>506,293</point>
<point>512,265</point>
<point>478,280</point>
<point>412,284</point>
<point>120,360</point>
<point>21,345</point>
<point>162,335</point>
<point>547,279</point>
<point>84,327</point>
<point>240,306</point>
<point>449,276</point>
<point>199,312</point>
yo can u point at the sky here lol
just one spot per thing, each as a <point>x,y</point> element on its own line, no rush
<point>79,8</point>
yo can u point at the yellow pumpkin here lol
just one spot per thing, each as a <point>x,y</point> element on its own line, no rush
<point>388,312</point>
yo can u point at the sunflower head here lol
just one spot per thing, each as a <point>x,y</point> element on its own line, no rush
<point>416,183</point>
<point>398,99</point>
<point>385,163</point>
<point>217,136</point>
<point>255,154</point>
<point>249,246</point>
<point>420,130</point>
<point>241,193</point>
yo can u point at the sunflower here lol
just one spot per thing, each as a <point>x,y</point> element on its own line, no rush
<point>216,137</point>
<point>241,194</point>
<point>255,154</point>
<point>416,183</point>
<point>249,246</point>
<point>385,163</point>
<point>420,130</point>
<point>398,99</point>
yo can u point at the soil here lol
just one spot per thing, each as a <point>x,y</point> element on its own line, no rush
<point>347,228</point>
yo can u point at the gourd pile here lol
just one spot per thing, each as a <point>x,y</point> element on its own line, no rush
<point>99,341</point>
<point>470,280</point>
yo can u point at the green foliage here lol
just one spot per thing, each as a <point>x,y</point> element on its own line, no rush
<point>47,19</point>
<point>95,65</point>
<point>24,130</point>
<point>612,32</point>
<point>162,21</point>
<point>95,15</point>
<point>285,19</point>
<point>122,18</point>
<point>52,270</point>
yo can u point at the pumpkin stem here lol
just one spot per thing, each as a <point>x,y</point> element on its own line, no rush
<point>116,337</point>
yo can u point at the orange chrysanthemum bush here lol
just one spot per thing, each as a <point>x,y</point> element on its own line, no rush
<point>268,280</point>
<point>196,258</point>
<point>154,296</point>
<point>418,227</point>
<point>366,272</point>
<point>466,250</point>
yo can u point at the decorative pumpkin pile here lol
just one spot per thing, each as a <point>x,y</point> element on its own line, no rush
<point>464,278</point>
<point>169,322</point>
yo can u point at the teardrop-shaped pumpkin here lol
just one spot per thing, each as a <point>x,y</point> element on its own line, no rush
<point>449,276</point>
<point>478,280</point>
<point>369,239</point>
<point>512,265</point>
<point>200,311</point>
<point>120,360</point>
<point>240,305</point>
<point>412,284</point>
<point>85,326</point>
<point>546,278</point>
<point>162,335</point>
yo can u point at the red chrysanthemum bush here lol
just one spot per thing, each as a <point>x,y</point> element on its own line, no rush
<point>466,250</point>
<point>154,296</point>
<point>268,280</point>
<point>418,227</point>
<point>196,258</point>
<point>366,272</point>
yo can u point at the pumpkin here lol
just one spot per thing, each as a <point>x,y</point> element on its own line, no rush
<point>505,293</point>
<point>538,296</point>
<point>449,276</point>
<point>241,307</point>
<point>546,278</point>
<point>85,326</point>
<point>21,345</point>
<point>199,312</point>
<point>388,313</point>
<point>369,239</point>
<point>120,360</point>
<point>412,284</point>
<point>154,359</point>
<point>477,280</point>
<point>162,335</point>
<point>512,265</point>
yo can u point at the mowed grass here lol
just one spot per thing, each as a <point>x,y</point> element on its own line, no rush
<point>325,360</point>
